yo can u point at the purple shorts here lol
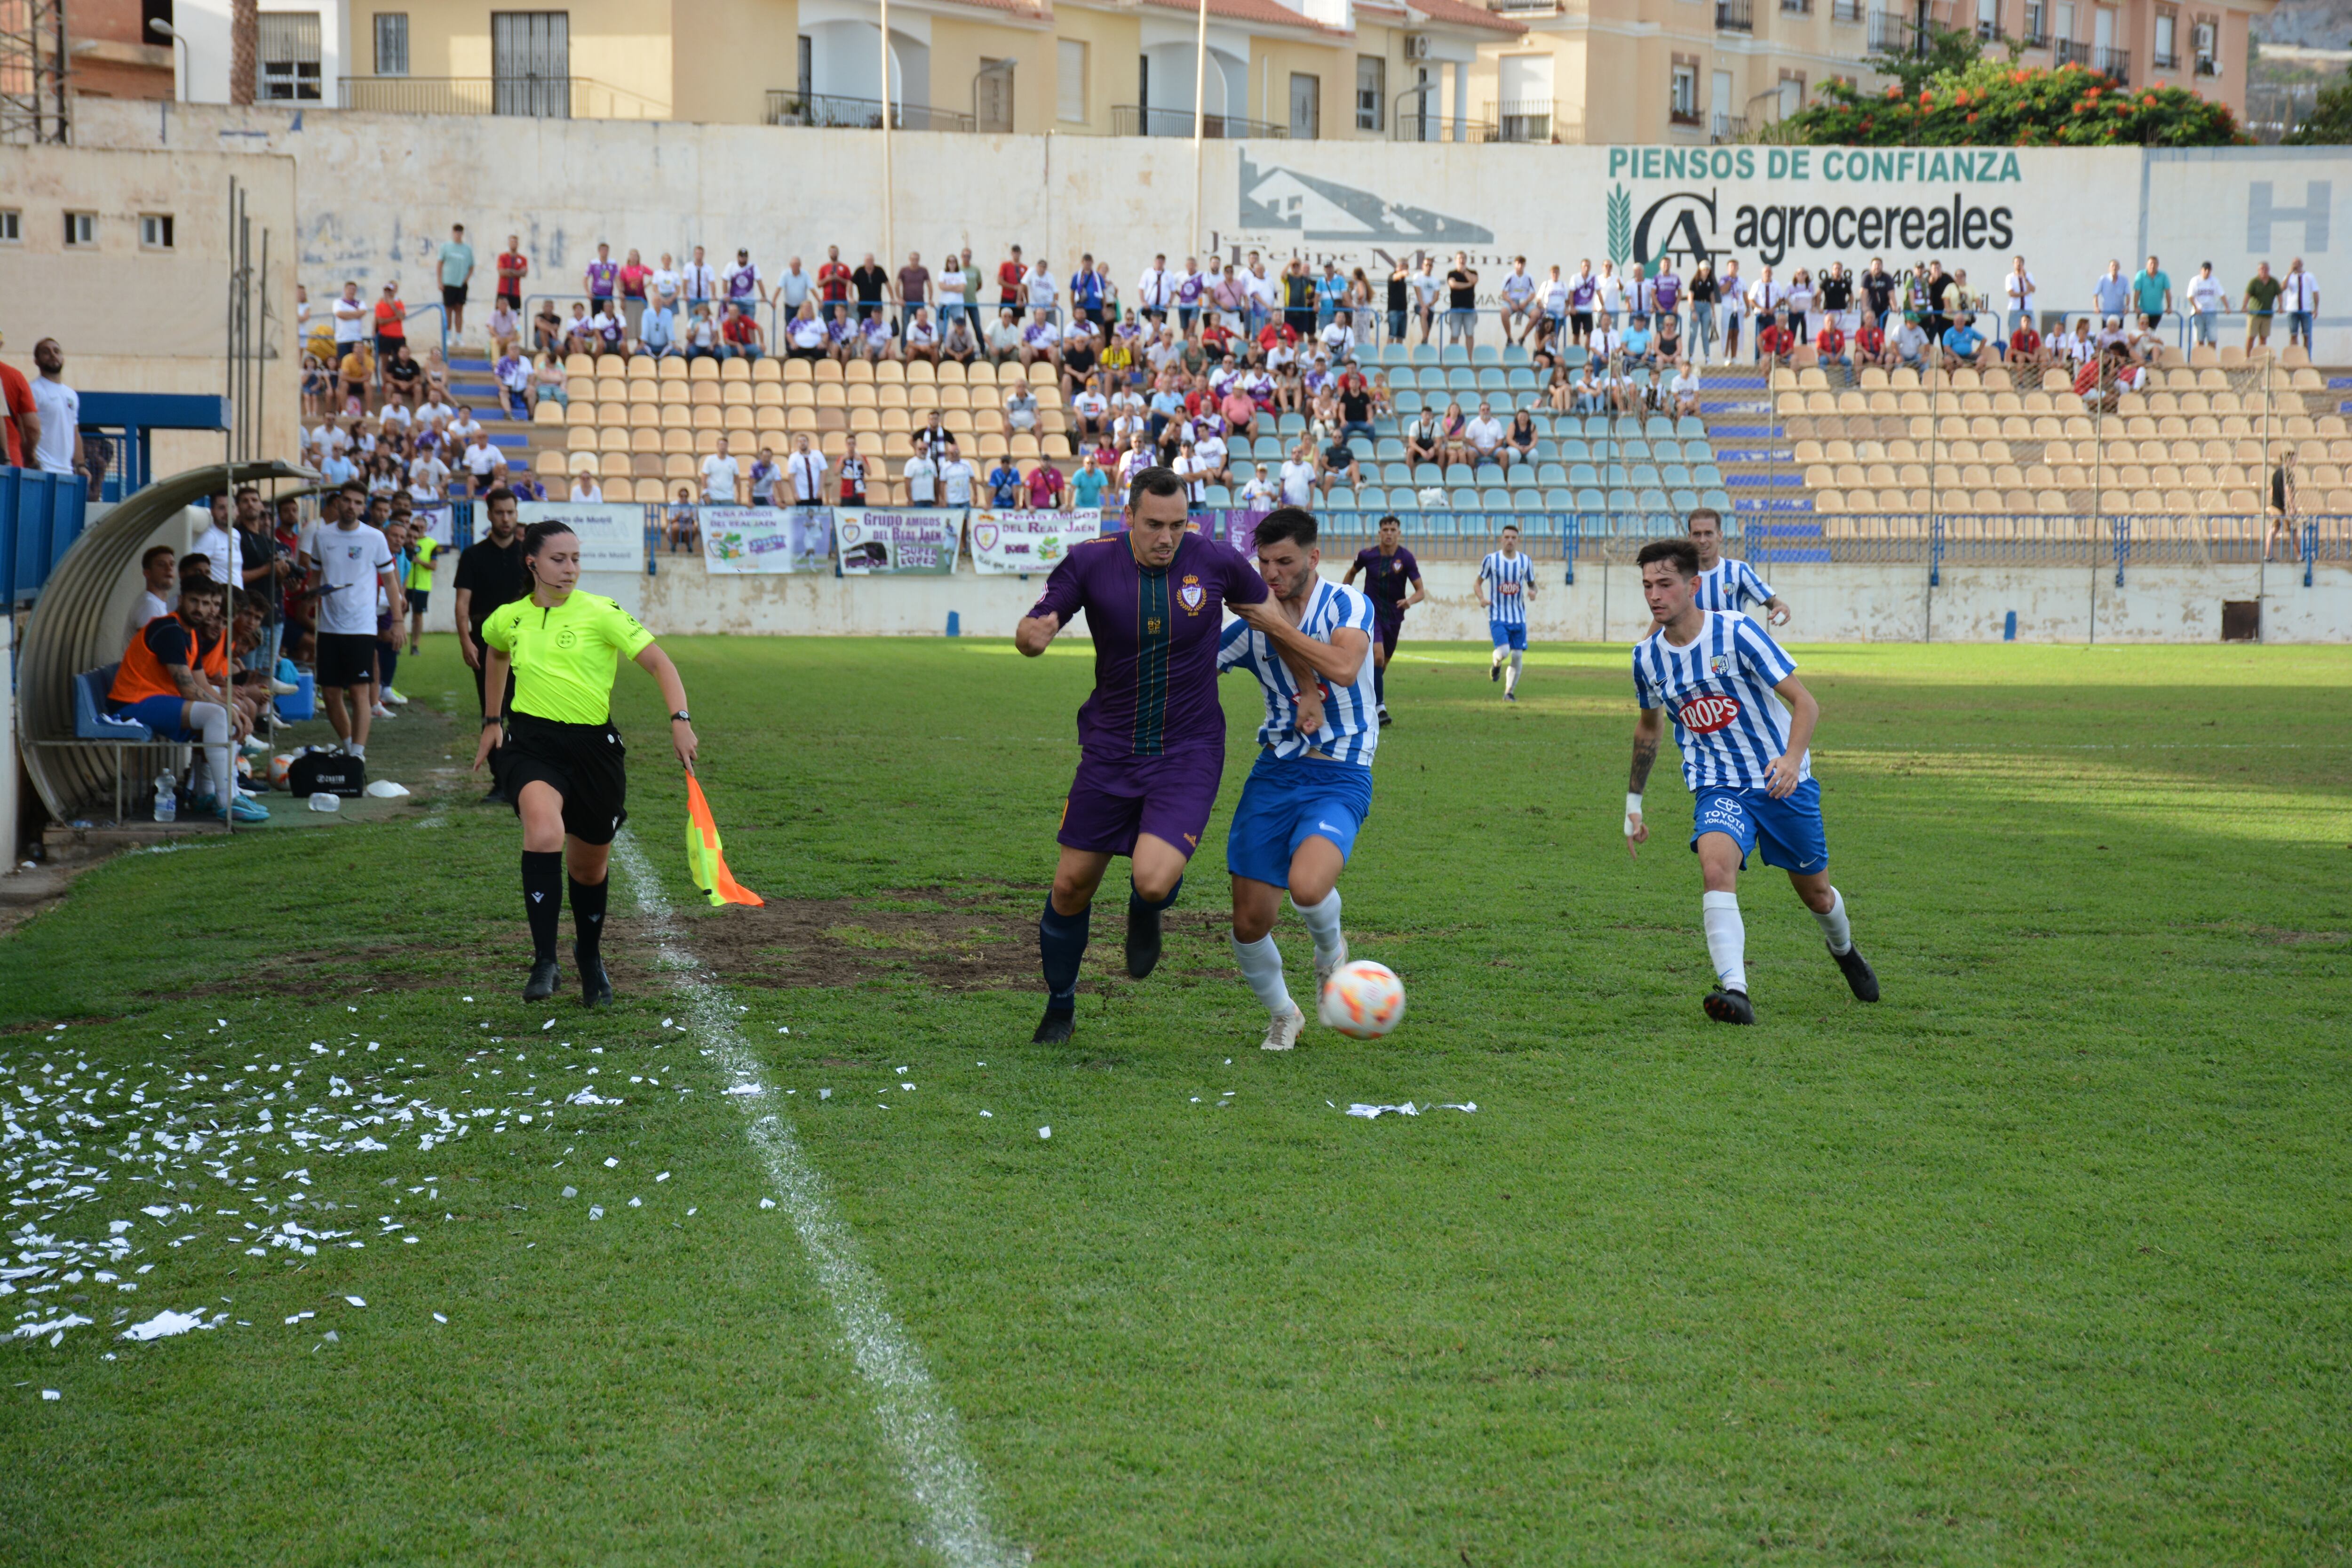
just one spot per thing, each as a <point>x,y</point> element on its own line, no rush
<point>1387,623</point>
<point>1113,803</point>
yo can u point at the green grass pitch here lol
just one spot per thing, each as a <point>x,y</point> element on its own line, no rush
<point>2045,1259</point>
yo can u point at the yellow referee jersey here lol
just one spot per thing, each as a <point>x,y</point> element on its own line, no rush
<point>564,657</point>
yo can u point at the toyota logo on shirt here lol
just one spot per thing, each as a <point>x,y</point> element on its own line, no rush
<point>1706,713</point>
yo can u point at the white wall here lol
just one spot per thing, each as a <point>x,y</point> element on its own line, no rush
<point>202,71</point>
<point>1831,603</point>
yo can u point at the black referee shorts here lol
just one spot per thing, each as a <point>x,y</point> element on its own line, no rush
<point>585,764</point>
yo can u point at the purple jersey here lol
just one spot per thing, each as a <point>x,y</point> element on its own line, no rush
<point>1385,578</point>
<point>1155,636</point>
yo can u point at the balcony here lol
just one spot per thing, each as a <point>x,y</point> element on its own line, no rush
<point>1796,7</point>
<point>1845,11</point>
<point>1735,15</point>
<point>1521,120</point>
<point>2165,60</point>
<point>1889,33</point>
<point>828,111</point>
<point>1683,118</point>
<point>1134,120</point>
<point>2035,36</point>
<point>1523,7</point>
<point>1723,128</point>
<point>1988,30</point>
<point>527,97</point>
<point>2071,53</point>
<point>2208,65</point>
<point>2116,63</point>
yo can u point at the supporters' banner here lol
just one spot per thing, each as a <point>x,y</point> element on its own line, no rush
<point>879,543</point>
<point>1020,541</point>
<point>1235,526</point>
<point>740,541</point>
<point>611,538</point>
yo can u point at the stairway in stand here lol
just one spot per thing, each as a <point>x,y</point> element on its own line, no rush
<point>1775,521</point>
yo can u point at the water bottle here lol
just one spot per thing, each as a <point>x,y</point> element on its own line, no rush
<point>167,799</point>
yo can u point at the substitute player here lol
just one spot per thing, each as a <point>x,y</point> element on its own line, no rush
<point>1506,580</point>
<point>558,757</point>
<point>1312,786</point>
<point>1745,758</point>
<point>1725,583</point>
<point>1151,738</point>
<point>1388,568</point>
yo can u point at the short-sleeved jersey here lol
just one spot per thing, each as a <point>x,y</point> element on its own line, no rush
<point>1730,585</point>
<point>564,654</point>
<point>1155,632</point>
<point>1351,721</point>
<point>1728,722</point>
<point>1506,578</point>
<point>420,563</point>
<point>1388,577</point>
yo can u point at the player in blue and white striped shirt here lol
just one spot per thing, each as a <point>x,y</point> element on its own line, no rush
<point>1312,787</point>
<point>1507,581</point>
<point>1746,758</point>
<point>1723,582</point>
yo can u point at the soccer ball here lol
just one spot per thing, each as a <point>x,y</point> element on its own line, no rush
<point>1363,1001</point>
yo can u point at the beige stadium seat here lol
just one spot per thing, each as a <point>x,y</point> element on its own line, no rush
<point>768,394</point>
<point>645,416</point>
<point>826,371</point>
<point>890,370</point>
<point>1819,475</point>
<point>1042,372</point>
<point>1829,502</point>
<point>2050,503</point>
<point>580,462</point>
<point>677,416</point>
<point>735,392</point>
<point>550,412</point>
<point>858,370</point>
<point>797,368</point>
<point>584,412</point>
<point>548,460</point>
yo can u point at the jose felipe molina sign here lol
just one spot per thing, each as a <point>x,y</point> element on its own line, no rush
<point>1819,203</point>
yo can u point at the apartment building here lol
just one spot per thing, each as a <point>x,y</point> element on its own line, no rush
<point>1696,71</point>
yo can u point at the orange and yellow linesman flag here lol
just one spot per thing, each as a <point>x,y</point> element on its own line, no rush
<point>703,858</point>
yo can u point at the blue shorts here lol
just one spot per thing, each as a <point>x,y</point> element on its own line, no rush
<point>161,714</point>
<point>1517,636</point>
<point>1789,830</point>
<point>1285,804</point>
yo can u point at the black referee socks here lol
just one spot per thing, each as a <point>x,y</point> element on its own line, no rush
<point>542,899</point>
<point>587,920</point>
<point>1062,944</point>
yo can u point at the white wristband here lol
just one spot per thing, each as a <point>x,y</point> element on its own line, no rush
<point>1633,812</point>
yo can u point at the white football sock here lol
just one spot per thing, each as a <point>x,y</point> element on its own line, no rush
<point>1726,939</point>
<point>1835,925</point>
<point>1261,965</point>
<point>353,748</point>
<point>210,719</point>
<point>1323,920</point>
<point>1498,656</point>
<point>1511,681</point>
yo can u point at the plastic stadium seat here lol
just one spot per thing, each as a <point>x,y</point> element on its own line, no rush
<point>1426,474</point>
<point>1551,474</point>
<point>1388,449</point>
<point>1559,499</point>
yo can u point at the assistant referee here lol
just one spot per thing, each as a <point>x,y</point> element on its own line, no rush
<point>558,757</point>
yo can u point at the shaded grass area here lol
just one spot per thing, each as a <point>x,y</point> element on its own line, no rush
<point>2045,1259</point>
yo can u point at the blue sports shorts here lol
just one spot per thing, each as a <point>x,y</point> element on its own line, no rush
<point>161,714</point>
<point>1287,802</point>
<point>1789,830</point>
<point>1515,636</point>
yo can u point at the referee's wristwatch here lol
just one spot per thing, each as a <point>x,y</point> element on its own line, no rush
<point>681,717</point>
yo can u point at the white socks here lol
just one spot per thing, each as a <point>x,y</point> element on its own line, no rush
<point>1499,654</point>
<point>353,748</point>
<point>1726,939</point>
<point>210,720</point>
<point>1511,681</point>
<point>1835,926</point>
<point>1261,965</point>
<point>1323,920</point>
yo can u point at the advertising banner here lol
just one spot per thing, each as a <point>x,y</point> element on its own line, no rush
<point>741,540</point>
<point>1020,541</point>
<point>611,538</point>
<point>879,542</point>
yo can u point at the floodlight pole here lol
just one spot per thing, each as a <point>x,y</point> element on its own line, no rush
<point>1200,110</point>
<point>890,189</point>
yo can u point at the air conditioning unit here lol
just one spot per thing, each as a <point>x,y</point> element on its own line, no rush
<point>1416,45</point>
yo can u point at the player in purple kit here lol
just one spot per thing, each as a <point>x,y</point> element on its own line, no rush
<point>1152,737</point>
<point>1387,567</point>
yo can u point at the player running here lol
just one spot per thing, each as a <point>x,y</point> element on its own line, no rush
<point>1725,583</point>
<point>1151,738</point>
<point>1312,786</point>
<point>559,759</point>
<point>1387,567</point>
<point>1744,757</point>
<point>1507,581</point>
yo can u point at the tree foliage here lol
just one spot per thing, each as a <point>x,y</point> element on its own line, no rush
<point>2330,124</point>
<point>1949,51</point>
<point>1998,103</point>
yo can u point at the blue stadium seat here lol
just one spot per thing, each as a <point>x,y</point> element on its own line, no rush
<point>1556,499</point>
<point>1427,474</point>
<point>1454,354</point>
<point>1292,425</point>
<point>1522,477</point>
<point>1218,495</point>
<point>1523,381</point>
<point>1596,426</point>
<point>1495,498</point>
<point>1406,501</point>
<point>1686,501</point>
<point>1372,499</point>
<point>1492,380</point>
<point>1388,449</point>
<point>1516,353</point>
<point>1720,499</point>
<point>1551,474</point>
<point>1573,450</point>
<point>91,721</point>
<point>1408,403</point>
<point>1645,476</point>
<point>1460,475</point>
<point>1675,476</point>
<point>1547,449</point>
<point>1487,353</point>
<point>1658,425</point>
<point>1583,474</point>
<point>1340,498</point>
<point>1425,353</point>
<point>1706,476</point>
<point>1462,498</point>
<point>1573,356</point>
<point>1591,500</point>
<point>1690,425</point>
<point>1654,500</point>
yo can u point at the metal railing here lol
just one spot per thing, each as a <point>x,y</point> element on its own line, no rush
<point>829,110</point>
<point>1408,125</point>
<point>1135,120</point>
<point>1989,30</point>
<point>2036,36</point>
<point>1845,11</point>
<point>527,97</point>
<point>1722,128</point>
<point>1889,33</point>
<point>1521,120</point>
<point>2165,60</point>
<point>2208,65</point>
<point>1735,15</point>
<point>1520,7</point>
<point>2071,53</point>
<point>2112,62</point>
<point>1796,7</point>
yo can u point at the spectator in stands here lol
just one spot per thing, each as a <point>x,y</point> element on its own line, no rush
<point>1021,411</point>
<point>2111,295</point>
<point>1776,340</point>
<point>1910,344</point>
<point>2207,300</point>
<point>350,320</point>
<point>2283,508</point>
<point>1091,410</point>
<point>1666,337</point>
<point>1090,484</point>
<point>548,383</point>
<point>960,346</point>
<point>1462,301</point>
<point>2151,294</point>
<point>513,267</point>
<point>874,341</point>
<point>1043,289</point>
<point>1187,466</point>
<point>794,289</point>
<point>1559,389</point>
<point>931,440</point>
<point>1259,492</point>
<point>957,479</point>
<point>158,571</point>
<point>804,334</point>
<point>547,329</point>
<point>833,282</point>
<point>802,475</point>
<point>682,523</point>
<point>1484,437</point>
<point>1834,295</point>
<point>391,323</point>
<point>1425,438</point>
<point>1005,334</point>
<point>1006,488</point>
<point>1634,342</point>
<point>356,371</point>
<point>1683,391</point>
<point>2025,350</point>
<point>1963,345</point>
<point>657,329</point>
<point>1595,387</point>
<point>1454,433</point>
<point>745,287</point>
<point>2299,294</point>
<point>922,336</point>
<point>1335,465</point>
<point>922,475</point>
<point>849,480</point>
<point>1355,397</point>
<point>600,277</point>
<point>636,280</point>
<point>953,297</point>
<point>1829,344</point>
<point>841,340</point>
<point>1041,339</point>
<point>484,464</point>
<point>2019,290</point>
<point>611,336</point>
<point>722,477</point>
<point>2111,336</point>
<point>1800,304</point>
<point>585,490</point>
<point>1520,440</point>
<point>505,328</point>
<point>2262,299</point>
<point>1079,355</point>
<point>579,332</point>
<point>1210,452</point>
<point>1045,487</point>
<point>873,286</point>
<point>1300,473</point>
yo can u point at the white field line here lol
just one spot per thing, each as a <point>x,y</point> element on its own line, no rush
<point>917,1423</point>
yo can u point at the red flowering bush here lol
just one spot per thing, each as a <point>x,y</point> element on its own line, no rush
<point>1993,103</point>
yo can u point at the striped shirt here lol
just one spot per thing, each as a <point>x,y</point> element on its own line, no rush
<point>1351,723</point>
<point>1730,585</point>
<point>1728,722</point>
<point>1506,578</point>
